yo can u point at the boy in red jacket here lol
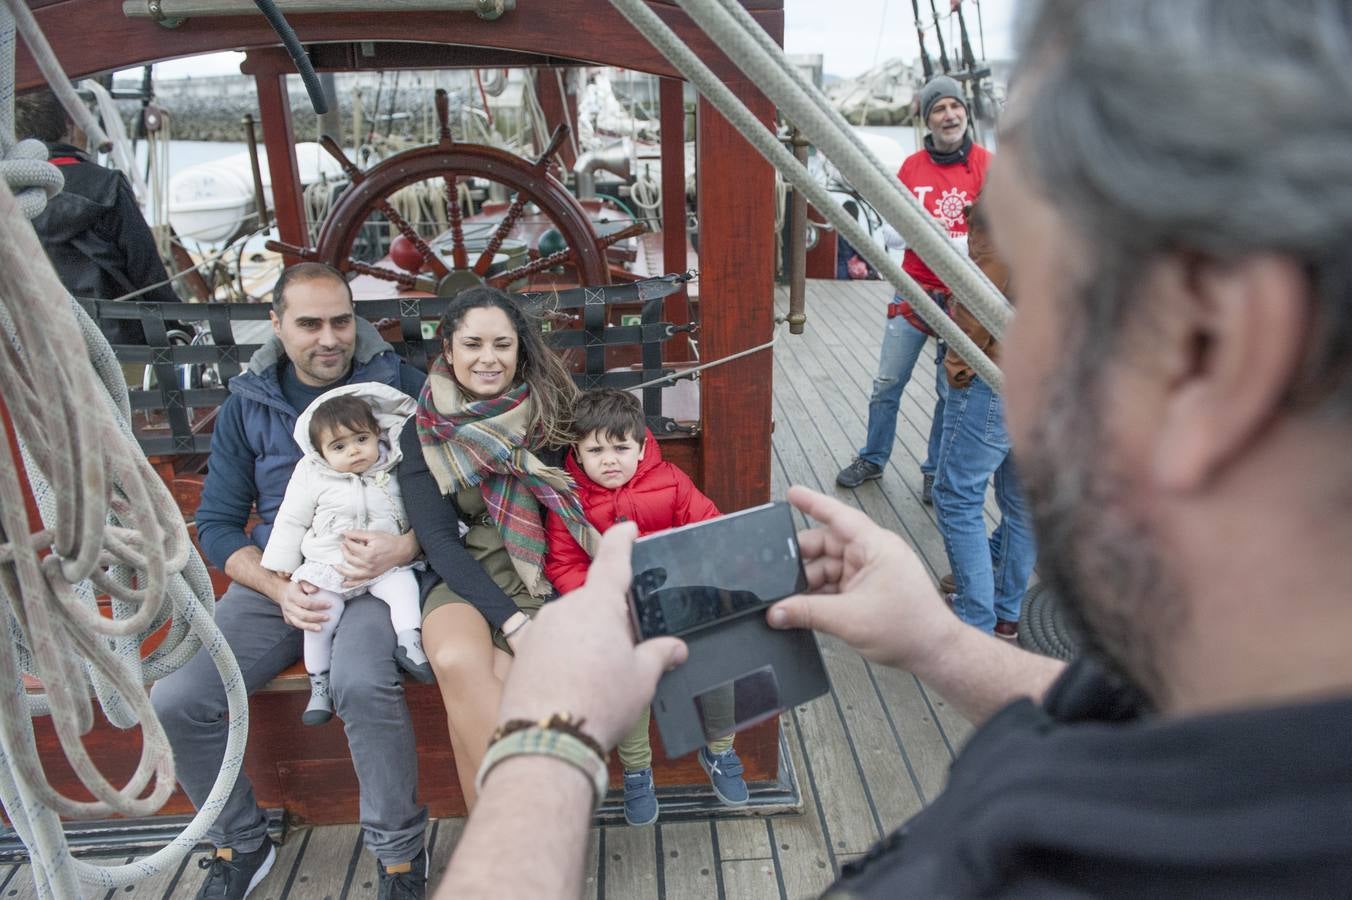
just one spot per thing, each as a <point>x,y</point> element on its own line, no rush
<point>620,476</point>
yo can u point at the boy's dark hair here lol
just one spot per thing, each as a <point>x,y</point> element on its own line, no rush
<point>352,413</point>
<point>615,413</point>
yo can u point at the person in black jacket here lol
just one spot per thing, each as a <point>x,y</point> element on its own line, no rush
<point>1178,379</point>
<point>93,231</point>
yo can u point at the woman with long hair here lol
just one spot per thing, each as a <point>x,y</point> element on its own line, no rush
<point>478,475</point>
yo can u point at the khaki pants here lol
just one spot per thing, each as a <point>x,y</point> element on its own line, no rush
<point>637,753</point>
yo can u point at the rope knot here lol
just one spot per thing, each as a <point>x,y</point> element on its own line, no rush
<point>32,179</point>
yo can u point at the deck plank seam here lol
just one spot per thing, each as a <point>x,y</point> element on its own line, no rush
<point>812,785</point>
<point>352,867</point>
<point>896,734</point>
<point>858,763</point>
<point>718,861</point>
<point>173,882</point>
<point>13,870</point>
<point>943,732</point>
<point>601,864</point>
<point>295,866</point>
<point>774,854</point>
<point>854,495</point>
<point>661,870</point>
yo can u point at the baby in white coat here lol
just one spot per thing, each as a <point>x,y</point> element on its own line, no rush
<point>346,482</point>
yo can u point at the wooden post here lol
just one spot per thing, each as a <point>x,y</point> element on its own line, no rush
<point>553,105</point>
<point>671,94</point>
<point>736,260</point>
<point>287,200</point>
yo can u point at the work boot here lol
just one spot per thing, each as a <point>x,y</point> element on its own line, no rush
<point>857,472</point>
<point>320,708</point>
<point>410,656</point>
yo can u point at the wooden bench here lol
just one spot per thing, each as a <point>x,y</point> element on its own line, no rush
<point>307,771</point>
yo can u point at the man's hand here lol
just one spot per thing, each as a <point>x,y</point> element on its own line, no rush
<point>867,587</point>
<point>299,608</point>
<point>367,554</point>
<point>579,657</point>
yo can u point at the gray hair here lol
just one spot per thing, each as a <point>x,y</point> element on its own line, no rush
<point>1221,127</point>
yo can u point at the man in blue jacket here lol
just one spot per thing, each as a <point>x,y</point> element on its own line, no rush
<point>319,343</point>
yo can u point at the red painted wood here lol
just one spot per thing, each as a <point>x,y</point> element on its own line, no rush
<point>736,247</point>
<point>595,34</point>
<point>821,259</point>
<point>554,105</point>
<point>671,94</point>
<point>287,197</point>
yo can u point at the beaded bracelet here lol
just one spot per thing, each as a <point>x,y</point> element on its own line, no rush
<point>536,740</point>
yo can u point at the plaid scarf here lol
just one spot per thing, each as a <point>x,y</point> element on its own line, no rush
<point>484,442</point>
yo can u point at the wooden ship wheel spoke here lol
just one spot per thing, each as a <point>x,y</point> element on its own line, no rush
<point>452,262</point>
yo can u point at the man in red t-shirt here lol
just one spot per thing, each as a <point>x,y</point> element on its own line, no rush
<point>945,177</point>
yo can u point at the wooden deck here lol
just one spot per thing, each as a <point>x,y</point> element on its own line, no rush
<point>868,756</point>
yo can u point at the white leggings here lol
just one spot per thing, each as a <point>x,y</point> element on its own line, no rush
<point>397,587</point>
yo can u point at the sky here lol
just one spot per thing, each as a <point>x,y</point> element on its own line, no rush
<point>852,35</point>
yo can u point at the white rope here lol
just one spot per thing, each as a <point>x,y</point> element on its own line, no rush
<point>647,194</point>
<point>110,526</point>
<point>718,94</point>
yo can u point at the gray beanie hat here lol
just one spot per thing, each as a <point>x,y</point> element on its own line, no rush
<point>936,89</point>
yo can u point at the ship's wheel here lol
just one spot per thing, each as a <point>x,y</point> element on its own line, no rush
<point>445,267</point>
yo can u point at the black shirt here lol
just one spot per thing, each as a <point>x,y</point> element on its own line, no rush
<point>1089,795</point>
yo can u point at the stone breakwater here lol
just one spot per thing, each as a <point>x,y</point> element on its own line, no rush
<point>213,108</point>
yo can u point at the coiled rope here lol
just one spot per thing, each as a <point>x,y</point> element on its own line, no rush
<point>110,526</point>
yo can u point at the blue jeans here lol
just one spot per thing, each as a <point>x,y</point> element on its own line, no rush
<point>991,574</point>
<point>902,343</point>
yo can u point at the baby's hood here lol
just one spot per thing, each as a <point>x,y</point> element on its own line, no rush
<point>392,408</point>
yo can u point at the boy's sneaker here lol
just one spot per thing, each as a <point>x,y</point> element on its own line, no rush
<point>857,472</point>
<point>320,708</point>
<point>232,875</point>
<point>725,774</point>
<point>1006,629</point>
<point>403,881</point>
<point>927,489</point>
<point>640,797</point>
<point>408,653</point>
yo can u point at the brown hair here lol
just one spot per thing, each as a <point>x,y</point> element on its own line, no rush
<point>346,411</point>
<point>39,114</point>
<point>615,413</point>
<point>551,386</point>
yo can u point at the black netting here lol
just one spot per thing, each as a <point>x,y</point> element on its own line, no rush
<point>188,373</point>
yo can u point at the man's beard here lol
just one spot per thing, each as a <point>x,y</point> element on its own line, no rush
<point>1096,551</point>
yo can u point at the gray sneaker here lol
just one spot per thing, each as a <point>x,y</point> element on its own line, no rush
<point>408,653</point>
<point>320,708</point>
<point>857,472</point>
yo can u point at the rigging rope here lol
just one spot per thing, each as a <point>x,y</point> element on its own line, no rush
<point>109,526</point>
<point>840,143</point>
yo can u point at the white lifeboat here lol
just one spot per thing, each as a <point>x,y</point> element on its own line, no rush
<point>210,202</point>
